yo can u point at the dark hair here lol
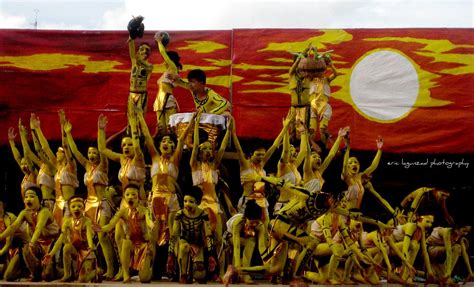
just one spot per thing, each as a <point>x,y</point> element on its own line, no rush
<point>198,75</point>
<point>174,57</point>
<point>172,137</point>
<point>252,210</point>
<point>131,185</point>
<point>195,192</point>
<point>38,192</point>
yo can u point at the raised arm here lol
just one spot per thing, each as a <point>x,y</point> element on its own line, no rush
<point>276,143</point>
<point>36,128</point>
<point>27,153</point>
<point>150,145</point>
<point>225,141</point>
<point>102,124</point>
<point>304,147</point>
<point>11,141</point>
<point>244,163</point>
<point>332,153</point>
<point>346,156</point>
<point>67,151</point>
<point>72,145</point>
<point>194,154</point>
<point>182,139</point>
<point>294,67</point>
<point>171,65</point>
<point>329,62</point>
<point>376,161</point>
<point>131,51</point>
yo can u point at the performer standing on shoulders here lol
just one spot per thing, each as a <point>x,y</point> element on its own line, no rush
<point>165,103</point>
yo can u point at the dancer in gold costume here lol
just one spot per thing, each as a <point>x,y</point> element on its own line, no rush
<point>77,238</point>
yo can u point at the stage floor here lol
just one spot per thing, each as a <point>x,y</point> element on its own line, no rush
<point>166,283</point>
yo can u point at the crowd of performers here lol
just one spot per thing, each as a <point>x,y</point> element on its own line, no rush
<point>309,233</point>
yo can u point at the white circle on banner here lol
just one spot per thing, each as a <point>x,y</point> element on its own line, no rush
<point>384,86</point>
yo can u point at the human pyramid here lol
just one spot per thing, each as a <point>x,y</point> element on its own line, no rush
<point>312,234</point>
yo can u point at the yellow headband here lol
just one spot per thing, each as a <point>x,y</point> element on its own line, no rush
<point>77,199</point>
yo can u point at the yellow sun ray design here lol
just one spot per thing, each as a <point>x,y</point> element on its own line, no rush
<point>328,37</point>
<point>55,61</point>
<point>439,51</point>
<point>203,47</point>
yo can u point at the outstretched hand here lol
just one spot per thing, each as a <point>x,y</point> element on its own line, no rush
<point>379,142</point>
<point>11,134</point>
<point>344,131</point>
<point>102,122</point>
<point>21,127</point>
<point>34,121</point>
<point>67,127</point>
<point>62,116</point>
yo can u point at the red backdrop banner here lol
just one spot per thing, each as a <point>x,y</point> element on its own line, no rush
<point>411,86</point>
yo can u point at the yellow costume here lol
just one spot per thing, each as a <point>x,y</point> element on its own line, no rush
<point>213,103</point>
<point>92,178</point>
<point>64,176</point>
<point>206,178</point>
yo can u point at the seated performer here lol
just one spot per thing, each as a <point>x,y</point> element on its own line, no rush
<point>290,221</point>
<point>191,233</point>
<point>412,202</point>
<point>247,230</point>
<point>165,103</point>
<point>409,238</point>
<point>337,240</point>
<point>136,249</point>
<point>43,230</point>
<point>445,245</point>
<point>205,99</point>
<point>96,181</point>
<point>76,235</point>
<point>9,257</point>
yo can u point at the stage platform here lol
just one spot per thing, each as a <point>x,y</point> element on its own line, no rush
<point>167,283</point>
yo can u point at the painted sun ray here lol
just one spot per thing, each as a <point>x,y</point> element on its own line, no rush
<point>265,83</point>
<point>203,47</point>
<point>333,37</point>
<point>56,61</point>
<point>245,66</point>
<point>219,62</point>
<point>438,50</point>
